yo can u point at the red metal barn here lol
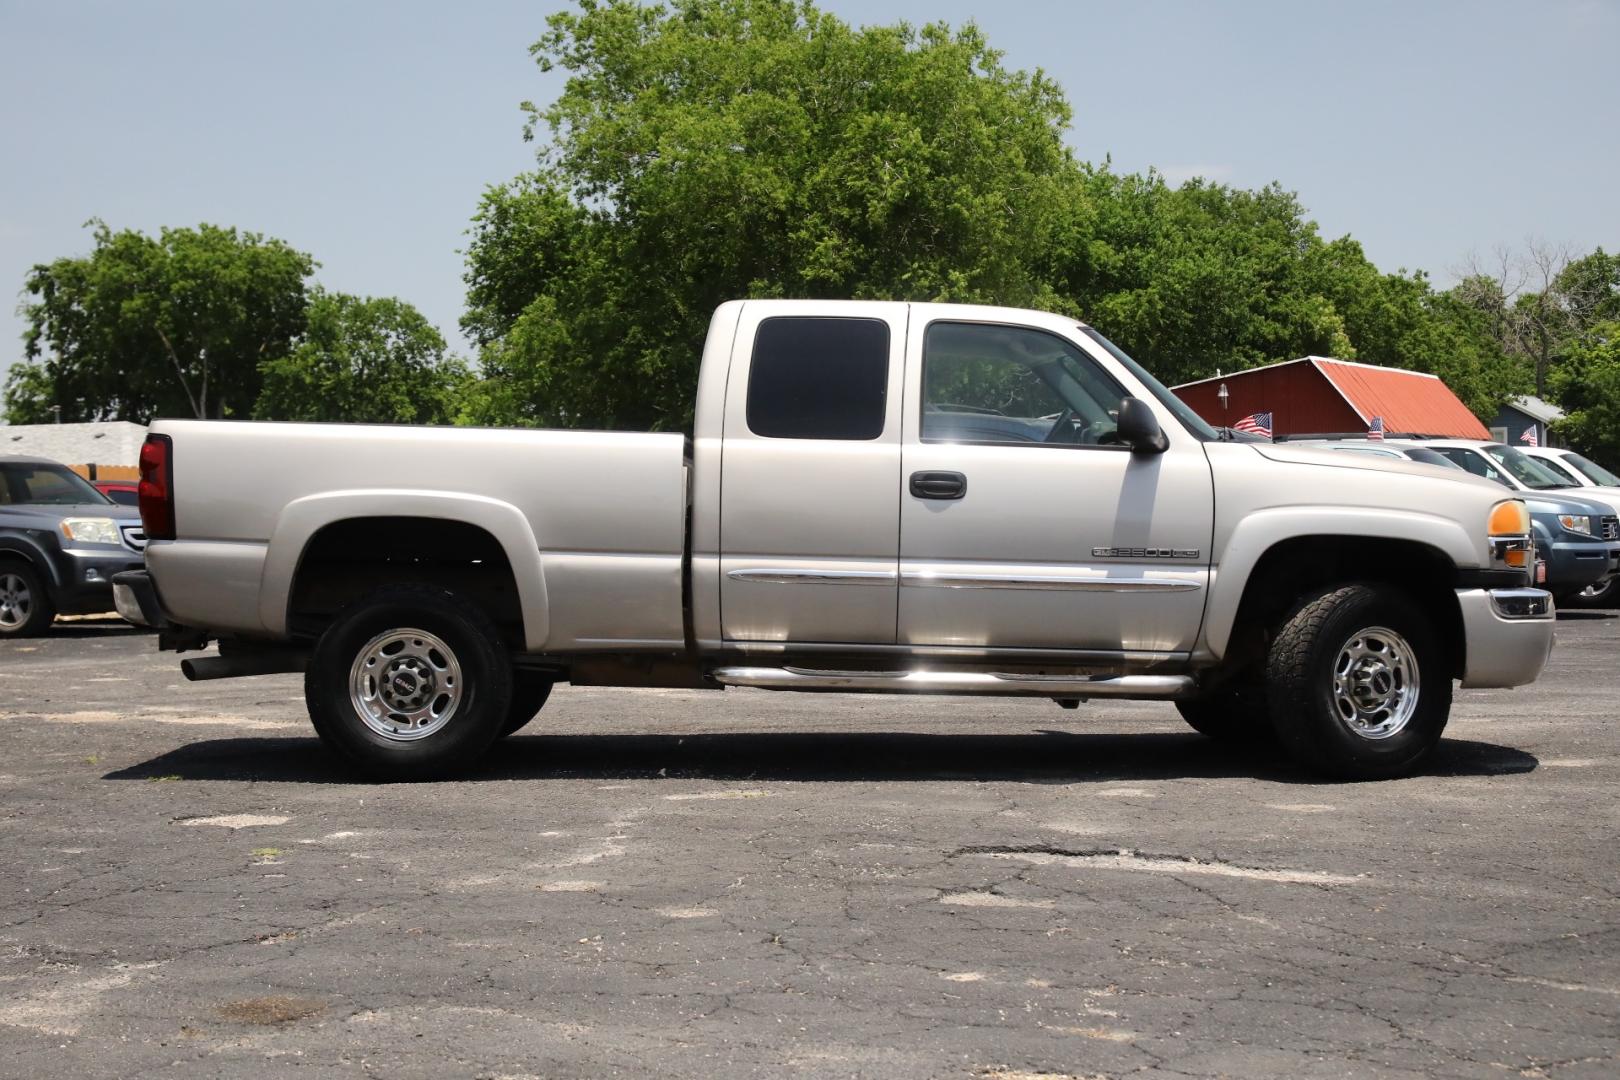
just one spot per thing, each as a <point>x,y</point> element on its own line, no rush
<point>1317,395</point>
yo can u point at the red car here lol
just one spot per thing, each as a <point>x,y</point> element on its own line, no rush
<point>123,492</point>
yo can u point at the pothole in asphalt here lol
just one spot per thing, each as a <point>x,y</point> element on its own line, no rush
<point>1126,859</point>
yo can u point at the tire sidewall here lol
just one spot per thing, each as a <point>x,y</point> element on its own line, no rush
<point>1320,735</point>
<point>486,678</point>
<point>41,611</point>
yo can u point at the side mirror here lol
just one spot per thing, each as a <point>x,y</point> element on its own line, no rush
<point>1139,429</point>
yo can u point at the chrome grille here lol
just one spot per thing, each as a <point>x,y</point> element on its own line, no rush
<point>134,536</point>
<point>1611,527</point>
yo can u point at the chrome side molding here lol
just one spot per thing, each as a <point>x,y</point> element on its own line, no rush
<point>925,579</point>
<point>775,576</point>
<point>958,682</point>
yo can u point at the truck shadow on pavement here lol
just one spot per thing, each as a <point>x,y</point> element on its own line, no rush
<point>1055,757</point>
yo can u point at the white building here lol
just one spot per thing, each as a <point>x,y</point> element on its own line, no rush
<point>104,450</point>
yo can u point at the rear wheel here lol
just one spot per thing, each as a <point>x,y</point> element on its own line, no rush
<point>409,683</point>
<point>529,693</point>
<point>1357,684</point>
<point>26,609</point>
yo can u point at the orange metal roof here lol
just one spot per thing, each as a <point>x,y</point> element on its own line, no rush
<point>1409,401</point>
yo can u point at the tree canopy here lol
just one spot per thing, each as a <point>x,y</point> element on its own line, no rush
<point>363,359</point>
<point>172,325</point>
<point>711,149</point>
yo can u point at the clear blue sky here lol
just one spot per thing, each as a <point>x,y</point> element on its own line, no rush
<point>364,132</point>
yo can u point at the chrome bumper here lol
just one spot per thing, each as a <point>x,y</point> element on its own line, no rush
<point>1508,634</point>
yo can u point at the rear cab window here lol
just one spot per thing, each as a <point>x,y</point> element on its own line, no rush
<point>814,377</point>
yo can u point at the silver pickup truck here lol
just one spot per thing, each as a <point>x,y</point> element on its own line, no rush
<point>878,497</point>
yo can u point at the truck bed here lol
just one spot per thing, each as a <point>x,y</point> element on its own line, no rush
<point>599,516</point>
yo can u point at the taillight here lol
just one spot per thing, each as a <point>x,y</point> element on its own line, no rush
<point>157,487</point>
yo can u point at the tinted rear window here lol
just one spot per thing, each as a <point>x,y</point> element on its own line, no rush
<point>817,378</point>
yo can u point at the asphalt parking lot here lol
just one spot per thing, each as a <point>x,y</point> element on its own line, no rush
<point>748,884</point>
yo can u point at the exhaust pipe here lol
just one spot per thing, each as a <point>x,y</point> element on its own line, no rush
<point>235,667</point>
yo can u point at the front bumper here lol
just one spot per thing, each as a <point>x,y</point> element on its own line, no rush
<point>1507,635</point>
<point>1577,564</point>
<point>85,577</point>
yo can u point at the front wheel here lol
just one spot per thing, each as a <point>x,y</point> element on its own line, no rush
<point>25,605</point>
<point>1357,683</point>
<point>409,683</point>
<point>1602,595</point>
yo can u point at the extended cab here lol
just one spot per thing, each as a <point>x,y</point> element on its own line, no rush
<point>878,497</point>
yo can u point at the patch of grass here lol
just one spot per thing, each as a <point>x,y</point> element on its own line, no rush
<point>266,852</point>
<point>163,779</point>
<point>92,759</point>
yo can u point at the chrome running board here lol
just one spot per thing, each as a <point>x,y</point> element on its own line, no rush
<point>958,682</point>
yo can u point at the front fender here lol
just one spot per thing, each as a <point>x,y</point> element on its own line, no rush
<point>1262,530</point>
<point>19,543</point>
<point>301,519</point>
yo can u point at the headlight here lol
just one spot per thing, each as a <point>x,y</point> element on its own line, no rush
<point>1509,531</point>
<point>91,530</point>
<point>1576,523</point>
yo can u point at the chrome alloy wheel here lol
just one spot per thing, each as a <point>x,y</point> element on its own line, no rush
<point>16,601</point>
<point>1375,683</point>
<point>405,684</point>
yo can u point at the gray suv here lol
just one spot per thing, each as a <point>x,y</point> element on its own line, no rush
<point>61,542</point>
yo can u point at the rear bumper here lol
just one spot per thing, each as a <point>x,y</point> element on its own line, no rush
<point>136,599</point>
<point>1508,634</point>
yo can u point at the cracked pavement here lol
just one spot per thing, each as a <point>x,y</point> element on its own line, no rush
<point>751,884</point>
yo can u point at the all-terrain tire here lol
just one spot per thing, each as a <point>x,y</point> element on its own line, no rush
<point>411,682</point>
<point>530,689</point>
<point>26,607</point>
<point>1357,684</point>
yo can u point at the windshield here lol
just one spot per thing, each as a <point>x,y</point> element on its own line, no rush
<point>1591,470</point>
<point>1182,410</point>
<point>1431,457</point>
<point>1526,469</point>
<point>29,483</point>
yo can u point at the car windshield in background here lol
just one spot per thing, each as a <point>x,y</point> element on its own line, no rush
<point>1432,457</point>
<point>1526,469</point>
<point>27,483</point>
<point>1592,470</point>
<point>1195,423</point>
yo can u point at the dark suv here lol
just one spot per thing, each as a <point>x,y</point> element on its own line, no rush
<point>61,541</point>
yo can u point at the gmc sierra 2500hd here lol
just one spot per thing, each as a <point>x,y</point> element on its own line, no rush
<point>879,497</point>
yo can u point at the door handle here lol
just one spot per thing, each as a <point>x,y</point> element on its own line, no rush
<point>938,485</point>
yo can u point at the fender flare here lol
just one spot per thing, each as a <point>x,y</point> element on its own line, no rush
<point>1259,532</point>
<point>33,554</point>
<point>301,519</point>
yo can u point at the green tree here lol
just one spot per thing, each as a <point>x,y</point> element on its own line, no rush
<point>366,360</point>
<point>721,148</point>
<point>143,327</point>
<point>1588,385</point>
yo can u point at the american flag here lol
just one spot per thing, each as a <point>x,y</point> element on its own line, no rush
<point>1255,424</point>
<point>1529,437</point>
<point>1375,430</point>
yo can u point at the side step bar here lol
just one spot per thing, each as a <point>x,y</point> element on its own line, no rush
<point>958,682</point>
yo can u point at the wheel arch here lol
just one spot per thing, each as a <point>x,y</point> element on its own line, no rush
<point>419,528</point>
<point>1289,567</point>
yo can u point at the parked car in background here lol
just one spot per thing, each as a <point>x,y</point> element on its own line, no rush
<point>1572,516</point>
<point>1581,470</point>
<point>1577,563</point>
<point>61,542</point>
<point>122,492</point>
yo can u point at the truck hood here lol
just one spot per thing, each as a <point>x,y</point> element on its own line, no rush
<point>1338,459</point>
